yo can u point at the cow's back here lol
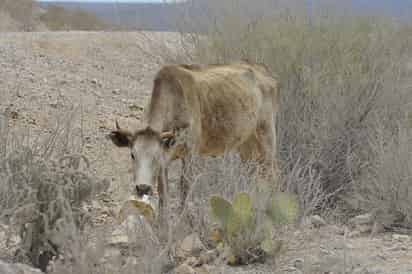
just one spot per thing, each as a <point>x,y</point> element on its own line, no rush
<point>222,104</point>
<point>229,101</point>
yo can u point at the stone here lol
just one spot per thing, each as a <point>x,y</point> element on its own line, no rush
<point>299,263</point>
<point>365,228</point>
<point>338,230</point>
<point>401,237</point>
<point>208,257</point>
<point>184,269</point>
<point>6,268</point>
<point>192,261</point>
<point>365,219</point>
<point>192,245</point>
<point>317,221</point>
<point>291,270</point>
<point>202,270</point>
<point>354,234</point>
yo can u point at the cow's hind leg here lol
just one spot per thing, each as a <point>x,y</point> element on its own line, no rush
<point>250,151</point>
<point>267,140</point>
<point>261,147</point>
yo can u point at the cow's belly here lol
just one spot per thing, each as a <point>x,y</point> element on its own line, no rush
<point>226,131</point>
<point>229,115</point>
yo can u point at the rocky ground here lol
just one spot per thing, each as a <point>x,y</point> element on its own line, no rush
<point>100,77</point>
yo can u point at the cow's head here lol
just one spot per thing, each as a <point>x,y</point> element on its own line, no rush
<point>150,152</point>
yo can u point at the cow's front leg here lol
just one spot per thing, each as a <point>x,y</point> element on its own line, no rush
<point>184,186</point>
<point>162,192</point>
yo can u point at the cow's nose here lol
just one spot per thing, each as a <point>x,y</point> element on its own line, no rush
<point>144,190</point>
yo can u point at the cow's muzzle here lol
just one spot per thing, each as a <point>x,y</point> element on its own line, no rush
<point>143,190</point>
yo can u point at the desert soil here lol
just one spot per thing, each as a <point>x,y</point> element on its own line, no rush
<point>100,77</point>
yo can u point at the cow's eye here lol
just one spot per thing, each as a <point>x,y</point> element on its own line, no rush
<point>169,142</point>
<point>132,155</point>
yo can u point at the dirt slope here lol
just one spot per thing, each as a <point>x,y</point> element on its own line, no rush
<point>107,76</point>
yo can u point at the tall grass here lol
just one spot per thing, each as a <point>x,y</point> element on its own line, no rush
<point>339,75</point>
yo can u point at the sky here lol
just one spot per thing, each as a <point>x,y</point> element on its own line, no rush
<point>105,1</point>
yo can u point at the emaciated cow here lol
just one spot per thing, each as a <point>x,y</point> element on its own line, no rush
<point>205,110</point>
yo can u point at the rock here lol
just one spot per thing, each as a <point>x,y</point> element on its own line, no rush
<point>317,221</point>
<point>191,245</point>
<point>116,91</point>
<point>192,261</point>
<point>184,269</point>
<point>291,269</point>
<point>365,228</point>
<point>208,256</point>
<point>202,270</point>
<point>365,219</point>
<point>401,237</point>
<point>134,107</point>
<point>338,230</point>
<point>377,228</point>
<point>354,234</point>
<point>6,268</point>
<point>299,263</point>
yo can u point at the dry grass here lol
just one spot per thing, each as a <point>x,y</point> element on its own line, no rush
<point>339,75</point>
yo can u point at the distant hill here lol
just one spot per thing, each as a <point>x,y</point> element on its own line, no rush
<point>60,18</point>
<point>20,15</point>
<point>166,17</point>
<point>154,17</point>
<point>398,8</point>
<point>29,15</point>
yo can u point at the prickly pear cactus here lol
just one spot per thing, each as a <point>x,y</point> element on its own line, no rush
<point>283,208</point>
<point>237,221</point>
<point>242,205</point>
<point>233,217</point>
<point>222,210</point>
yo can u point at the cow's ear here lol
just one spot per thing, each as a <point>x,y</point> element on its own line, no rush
<point>121,137</point>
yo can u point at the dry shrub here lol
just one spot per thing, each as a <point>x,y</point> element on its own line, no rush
<point>336,73</point>
<point>94,252</point>
<point>384,188</point>
<point>42,188</point>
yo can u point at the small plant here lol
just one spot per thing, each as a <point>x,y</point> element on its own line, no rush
<point>250,237</point>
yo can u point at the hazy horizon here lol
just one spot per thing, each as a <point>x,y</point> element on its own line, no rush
<point>106,1</point>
